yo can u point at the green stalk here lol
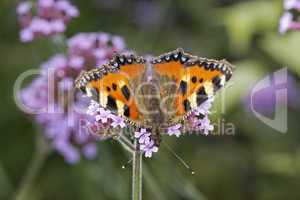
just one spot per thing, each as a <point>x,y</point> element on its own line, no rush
<point>137,173</point>
<point>40,155</point>
<point>137,155</point>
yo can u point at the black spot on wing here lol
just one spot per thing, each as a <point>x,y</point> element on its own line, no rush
<point>201,96</point>
<point>216,82</point>
<point>83,89</point>
<point>187,105</point>
<point>205,65</point>
<point>126,111</point>
<point>212,66</point>
<point>194,79</point>
<point>228,76</point>
<point>111,103</point>
<point>183,87</point>
<point>114,86</point>
<point>125,92</point>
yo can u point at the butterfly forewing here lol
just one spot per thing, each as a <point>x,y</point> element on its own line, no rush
<point>195,79</point>
<point>112,85</point>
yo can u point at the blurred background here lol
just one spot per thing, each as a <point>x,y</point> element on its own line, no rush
<point>257,162</point>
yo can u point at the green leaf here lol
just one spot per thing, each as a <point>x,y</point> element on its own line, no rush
<point>284,49</point>
<point>246,19</point>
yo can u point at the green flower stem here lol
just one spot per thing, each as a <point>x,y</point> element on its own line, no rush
<point>39,158</point>
<point>126,143</point>
<point>137,173</point>
<point>137,156</point>
<point>59,43</point>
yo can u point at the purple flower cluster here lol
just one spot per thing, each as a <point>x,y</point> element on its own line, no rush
<point>98,47</point>
<point>59,109</point>
<point>174,130</point>
<point>290,21</point>
<point>147,144</point>
<point>197,121</point>
<point>107,121</point>
<point>44,18</point>
<point>201,124</point>
<point>104,119</point>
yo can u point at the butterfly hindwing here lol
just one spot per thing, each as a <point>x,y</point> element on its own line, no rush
<point>196,79</point>
<point>112,85</point>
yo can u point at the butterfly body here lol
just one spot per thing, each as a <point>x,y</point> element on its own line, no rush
<point>158,93</point>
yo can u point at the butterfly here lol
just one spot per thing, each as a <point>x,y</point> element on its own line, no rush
<point>155,93</point>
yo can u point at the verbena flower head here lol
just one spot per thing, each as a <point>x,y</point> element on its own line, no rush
<point>174,130</point>
<point>285,23</point>
<point>149,148</point>
<point>60,110</point>
<point>44,18</point>
<point>197,122</point>
<point>117,121</point>
<point>95,46</point>
<point>147,144</point>
<point>292,4</point>
<point>290,19</point>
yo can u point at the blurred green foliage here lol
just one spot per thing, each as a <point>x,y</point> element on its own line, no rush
<point>256,163</point>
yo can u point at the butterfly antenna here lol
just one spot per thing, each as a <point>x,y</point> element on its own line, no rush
<point>126,164</point>
<point>187,166</point>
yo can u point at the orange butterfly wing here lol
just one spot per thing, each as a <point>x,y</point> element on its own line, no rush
<point>196,78</point>
<point>111,85</point>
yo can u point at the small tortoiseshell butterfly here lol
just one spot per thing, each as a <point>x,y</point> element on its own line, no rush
<point>158,93</point>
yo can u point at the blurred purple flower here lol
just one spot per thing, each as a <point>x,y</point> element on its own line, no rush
<point>286,23</point>
<point>67,8</point>
<point>288,20</point>
<point>24,7</point>
<point>97,48</point>
<point>148,14</point>
<point>58,61</point>
<point>61,111</point>
<point>51,19</point>
<point>64,131</point>
<point>76,62</point>
<point>90,151</point>
<point>292,4</point>
<point>26,35</point>
<point>35,96</point>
